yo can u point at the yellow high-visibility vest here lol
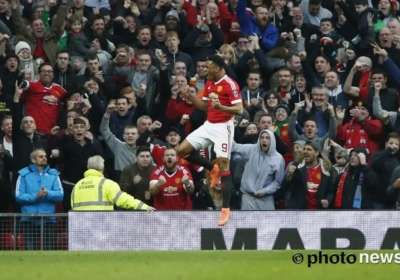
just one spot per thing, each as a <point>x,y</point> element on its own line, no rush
<point>96,193</point>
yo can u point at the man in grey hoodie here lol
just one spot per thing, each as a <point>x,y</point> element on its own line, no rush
<point>263,172</point>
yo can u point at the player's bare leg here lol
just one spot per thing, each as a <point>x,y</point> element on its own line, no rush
<point>226,185</point>
<point>184,148</point>
<point>187,151</point>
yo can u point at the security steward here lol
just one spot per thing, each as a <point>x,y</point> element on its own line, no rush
<point>96,193</point>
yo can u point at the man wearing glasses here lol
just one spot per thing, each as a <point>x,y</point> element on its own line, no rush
<point>42,99</point>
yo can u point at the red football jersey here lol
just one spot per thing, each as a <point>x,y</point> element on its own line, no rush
<point>172,195</point>
<point>227,92</point>
<point>157,153</point>
<point>43,104</point>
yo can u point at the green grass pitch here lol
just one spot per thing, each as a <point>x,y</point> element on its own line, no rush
<point>201,265</point>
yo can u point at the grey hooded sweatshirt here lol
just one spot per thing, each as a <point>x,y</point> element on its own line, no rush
<point>263,172</point>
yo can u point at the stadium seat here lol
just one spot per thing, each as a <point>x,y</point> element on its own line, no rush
<point>282,204</point>
<point>59,207</point>
<point>62,241</point>
<point>60,224</point>
<point>6,241</point>
<point>20,242</point>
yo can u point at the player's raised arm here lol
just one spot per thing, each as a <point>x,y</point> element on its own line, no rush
<point>201,104</point>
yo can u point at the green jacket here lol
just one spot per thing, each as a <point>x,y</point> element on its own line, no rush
<point>62,43</point>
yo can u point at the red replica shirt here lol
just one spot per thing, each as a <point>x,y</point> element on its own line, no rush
<point>172,195</point>
<point>43,104</point>
<point>227,92</point>
<point>157,153</point>
<point>313,182</point>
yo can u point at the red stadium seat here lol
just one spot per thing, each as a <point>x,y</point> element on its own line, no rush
<point>6,241</point>
<point>20,242</point>
<point>59,207</point>
<point>282,204</point>
<point>62,241</point>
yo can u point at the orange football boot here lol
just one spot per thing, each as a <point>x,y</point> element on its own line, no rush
<point>225,214</point>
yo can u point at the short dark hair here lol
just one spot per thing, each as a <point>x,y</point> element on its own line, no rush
<point>201,60</point>
<point>254,72</point>
<point>63,51</point>
<point>285,69</point>
<point>217,60</point>
<point>273,92</point>
<point>243,36</point>
<point>144,27</point>
<point>96,17</point>
<point>79,121</point>
<point>91,56</point>
<point>6,118</point>
<point>289,57</point>
<point>324,57</point>
<point>333,71</point>
<point>310,120</point>
<point>315,2</point>
<point>76,111</point>
<point>394,135</point>
<point>299,75</point>
<point>266,115</point>
<point>328,20</point>
<point>124,46</point>
<point>142,149</point>
<point>123,97</point>
<point>360,2</point>
<point>378,71</point>
<point>143,52</point>
<point>44,64</point>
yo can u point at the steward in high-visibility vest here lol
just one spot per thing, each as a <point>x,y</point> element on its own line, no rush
<point>96,193</point>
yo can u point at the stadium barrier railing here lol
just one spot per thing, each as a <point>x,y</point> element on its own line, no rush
<point>198,230</point>
<point>33,231</point>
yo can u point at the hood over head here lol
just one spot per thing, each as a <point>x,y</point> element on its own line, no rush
<point>272,145</point>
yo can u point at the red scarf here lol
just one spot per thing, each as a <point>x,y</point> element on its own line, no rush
<point>339,193</point>
<point>75,33</point>
<point>39,51</point>
<point>356,138</point>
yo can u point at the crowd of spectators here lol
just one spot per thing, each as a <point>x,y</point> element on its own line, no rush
<point>86,78</point>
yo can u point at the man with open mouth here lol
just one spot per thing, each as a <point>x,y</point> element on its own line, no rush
<point>263,172</point>
<point>42,43</point>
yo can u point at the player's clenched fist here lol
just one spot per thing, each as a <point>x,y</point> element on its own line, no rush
<point>161,180</point>
<point>216,105</point>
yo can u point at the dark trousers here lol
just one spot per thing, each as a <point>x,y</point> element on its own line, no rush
<point>33,231</point>
<point>67,197</point>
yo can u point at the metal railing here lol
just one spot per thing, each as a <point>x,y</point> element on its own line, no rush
<point>33,231</point>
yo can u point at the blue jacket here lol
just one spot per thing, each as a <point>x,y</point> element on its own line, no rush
<point>118,123</point>
<point>29,183</point>
<point>249,26</point>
